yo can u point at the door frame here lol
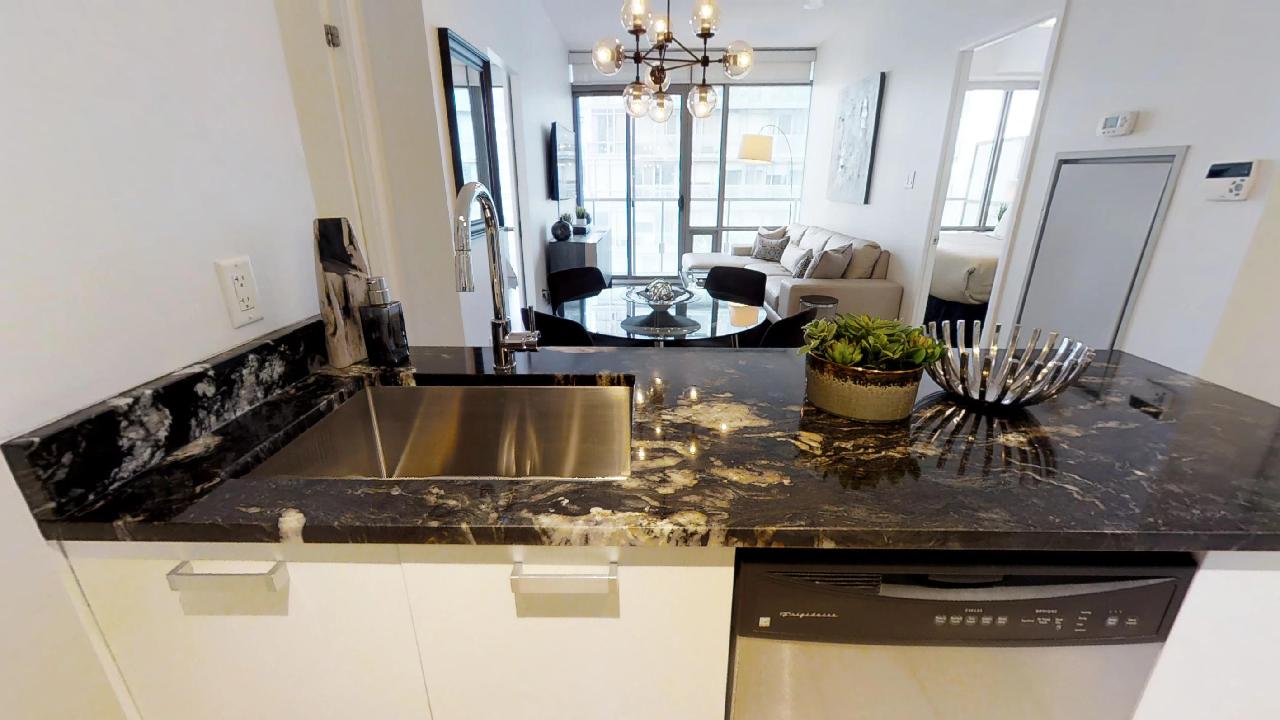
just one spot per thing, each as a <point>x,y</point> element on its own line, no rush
<point>961,85</point>
<point>1175,155</point>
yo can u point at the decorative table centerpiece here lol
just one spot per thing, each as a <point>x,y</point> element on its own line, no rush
<point>581,222</point>
<point>660,295</point>
<point>866,368</point>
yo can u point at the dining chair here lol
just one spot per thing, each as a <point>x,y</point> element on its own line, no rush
<point>739,285</point>
<point>573,284</point>
<point>788,332</point>
<point>556,331</point>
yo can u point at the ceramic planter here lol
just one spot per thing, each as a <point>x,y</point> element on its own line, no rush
<point>859,394</point>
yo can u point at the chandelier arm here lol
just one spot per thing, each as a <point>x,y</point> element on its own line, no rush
<point>689,52</point>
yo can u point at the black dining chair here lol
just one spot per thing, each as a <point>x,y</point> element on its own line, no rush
<point>573,284</point>
<point>788,332</point>
<point>739,285</point>
<point>555,331</point>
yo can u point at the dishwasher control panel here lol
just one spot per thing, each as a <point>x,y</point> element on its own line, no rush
<point>939,605</point>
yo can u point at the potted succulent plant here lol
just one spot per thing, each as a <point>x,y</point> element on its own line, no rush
<point>582,221</point>
<point>865,368</point>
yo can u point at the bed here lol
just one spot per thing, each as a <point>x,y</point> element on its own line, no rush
<point>964,267</point>
<point>964,270</point>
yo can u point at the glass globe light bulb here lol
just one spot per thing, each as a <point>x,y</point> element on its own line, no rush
<point>706,17</point>
<point>607,56</point>
<point>636,97</point>
<point>702,101</point>
<point>650,79</point>
<point>739,58</point>
<point>636,16</point>
<point>660,30</point>
<point>662,107</point>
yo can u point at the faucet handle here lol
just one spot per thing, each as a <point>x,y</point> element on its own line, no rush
<point>526,341</point>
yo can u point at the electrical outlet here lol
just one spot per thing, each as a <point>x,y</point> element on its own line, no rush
<point>239,290</point>
<point>911,181</point>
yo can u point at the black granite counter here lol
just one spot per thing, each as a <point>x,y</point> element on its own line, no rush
<point>726,452</point>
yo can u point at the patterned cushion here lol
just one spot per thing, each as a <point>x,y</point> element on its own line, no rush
<point>769,249</point>
<point>831,264</point>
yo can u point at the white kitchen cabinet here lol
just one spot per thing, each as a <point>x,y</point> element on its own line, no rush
<point>655,644</point>
<point>335,642</point>
<point>1219,661</point>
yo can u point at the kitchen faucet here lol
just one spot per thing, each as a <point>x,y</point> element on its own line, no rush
<point>505,343</point>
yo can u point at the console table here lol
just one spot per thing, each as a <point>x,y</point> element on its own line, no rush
<point>591,250</point>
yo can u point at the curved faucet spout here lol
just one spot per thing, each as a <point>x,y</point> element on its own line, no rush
<point>505,342</point>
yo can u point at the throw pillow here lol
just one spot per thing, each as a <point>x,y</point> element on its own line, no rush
<point>769,249</point>
<point>795,258</point>
<point>830,264</point>
<point>802,266</point>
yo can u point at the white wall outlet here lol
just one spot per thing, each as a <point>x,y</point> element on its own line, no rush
<point>239,290</point>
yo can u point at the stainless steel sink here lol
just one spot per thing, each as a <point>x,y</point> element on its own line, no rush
<point>466,432</point>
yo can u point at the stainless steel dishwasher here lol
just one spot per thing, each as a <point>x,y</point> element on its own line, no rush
<point>949,635</point>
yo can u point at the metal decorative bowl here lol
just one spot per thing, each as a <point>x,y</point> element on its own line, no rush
<point>661,297</point>
<point>1002,374</point>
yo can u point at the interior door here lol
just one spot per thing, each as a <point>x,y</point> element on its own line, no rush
<point>1095,238</point>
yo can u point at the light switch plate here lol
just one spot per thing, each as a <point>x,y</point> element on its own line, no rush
<point>239,290</point>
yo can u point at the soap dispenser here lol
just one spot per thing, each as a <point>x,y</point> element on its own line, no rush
<point>382,320</point>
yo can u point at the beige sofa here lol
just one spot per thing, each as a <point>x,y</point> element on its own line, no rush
<point>862,289</point>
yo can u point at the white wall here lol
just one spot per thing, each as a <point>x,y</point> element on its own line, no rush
<point>1245,347</point>
<point>918,44</point>
<point>1200,74</point>
<point>1017,57</point>
<point>142,141</point>
<point>399,51</point>
<point>523,36</point>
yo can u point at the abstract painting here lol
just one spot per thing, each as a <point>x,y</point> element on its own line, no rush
<point>854,147</point>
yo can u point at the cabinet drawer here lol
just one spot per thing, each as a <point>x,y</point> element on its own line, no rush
<point>567,642</point>
<point>236,633</point>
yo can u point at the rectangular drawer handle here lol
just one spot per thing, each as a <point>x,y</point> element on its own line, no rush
<point>183,578</point>
<point>563,583</point>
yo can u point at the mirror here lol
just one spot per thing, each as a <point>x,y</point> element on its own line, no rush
<point>469,105</point>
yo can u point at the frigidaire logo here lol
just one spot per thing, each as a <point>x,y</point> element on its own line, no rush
<point>802,615</point>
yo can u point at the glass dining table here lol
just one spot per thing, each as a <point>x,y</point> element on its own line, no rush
<point>612,312</point>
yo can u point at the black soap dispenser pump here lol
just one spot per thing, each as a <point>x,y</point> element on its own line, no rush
<point>382,320</point>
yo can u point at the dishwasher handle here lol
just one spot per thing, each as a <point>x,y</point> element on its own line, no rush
<point>1000,593</point>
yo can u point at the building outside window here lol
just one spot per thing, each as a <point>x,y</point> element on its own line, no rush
<point>994,126</point>
<point>632,179</point>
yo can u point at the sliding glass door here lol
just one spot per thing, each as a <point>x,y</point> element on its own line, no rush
<point>631,184</point>
<point>664,189</point>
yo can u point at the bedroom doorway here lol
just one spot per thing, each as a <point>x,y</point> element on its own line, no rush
<point>998,98</point>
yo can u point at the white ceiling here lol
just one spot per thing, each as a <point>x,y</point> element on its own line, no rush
<point>761,23</point>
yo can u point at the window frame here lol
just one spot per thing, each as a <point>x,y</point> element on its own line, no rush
<point>993,164</point>
<point>687,230</point>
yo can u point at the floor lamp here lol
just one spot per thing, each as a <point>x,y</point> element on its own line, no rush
<point>758,148</point>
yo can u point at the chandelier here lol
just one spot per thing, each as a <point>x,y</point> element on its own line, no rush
<point>647,94</point>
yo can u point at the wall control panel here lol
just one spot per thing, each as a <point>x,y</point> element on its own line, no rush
<point>1119,123</point>
<point>1229,181</point>
<point>1021,603</point>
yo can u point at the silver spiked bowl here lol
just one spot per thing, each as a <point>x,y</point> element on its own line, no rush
<point>1002,374</point>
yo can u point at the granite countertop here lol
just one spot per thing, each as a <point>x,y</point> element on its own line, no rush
<point>726,452</point>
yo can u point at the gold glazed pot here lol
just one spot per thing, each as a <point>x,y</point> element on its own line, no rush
<point>878,396</point>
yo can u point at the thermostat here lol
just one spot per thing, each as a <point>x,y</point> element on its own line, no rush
<point>1229,181</point>
<point>1116,124</point>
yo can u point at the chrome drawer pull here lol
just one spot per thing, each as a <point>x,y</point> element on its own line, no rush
<point>182,578</point>
<point>523,583</point>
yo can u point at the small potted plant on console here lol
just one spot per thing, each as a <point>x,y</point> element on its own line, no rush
<point>582,222</point>
<point>866,368</point>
